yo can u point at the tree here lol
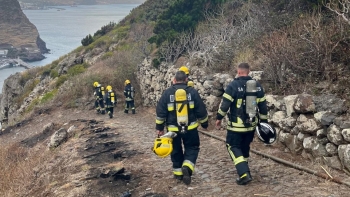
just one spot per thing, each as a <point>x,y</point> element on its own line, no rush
<point>87,40</point>
<point>341,8</point>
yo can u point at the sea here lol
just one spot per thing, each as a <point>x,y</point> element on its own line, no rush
<point>63,27</point>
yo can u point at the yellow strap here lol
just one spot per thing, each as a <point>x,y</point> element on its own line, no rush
<point>228,97</point>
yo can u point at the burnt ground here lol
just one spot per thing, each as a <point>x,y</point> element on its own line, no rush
<point>111,157</point>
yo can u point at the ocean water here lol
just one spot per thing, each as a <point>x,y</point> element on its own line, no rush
<point>63,28</point>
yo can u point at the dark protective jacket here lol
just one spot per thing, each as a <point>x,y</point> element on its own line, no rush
<point>110,99</point>
<point>166,113</point>
<point>234,100</point>
<point>129,92</point>
<point>99,92</point>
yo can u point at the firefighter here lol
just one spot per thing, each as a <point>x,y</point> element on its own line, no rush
<point>187,72</point>
<point>129,93</point>
<point>241,126</point>
<point>99,94</point>
<point>181,109</point>
<point>110,100</point>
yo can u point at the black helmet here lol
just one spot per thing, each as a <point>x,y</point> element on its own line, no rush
<point>266,133</point>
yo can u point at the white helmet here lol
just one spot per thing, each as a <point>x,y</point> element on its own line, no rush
<point>266,133</point>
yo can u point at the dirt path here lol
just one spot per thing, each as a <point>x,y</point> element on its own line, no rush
<point>107,157</point>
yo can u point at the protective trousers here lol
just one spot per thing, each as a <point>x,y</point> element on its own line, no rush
<point>129,104</point>
<point>99,105</point>
<point>238,146</point>
<point>189,156</point>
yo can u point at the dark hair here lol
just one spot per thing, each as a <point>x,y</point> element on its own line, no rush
<point>180,76</point>
<point>244,66</point>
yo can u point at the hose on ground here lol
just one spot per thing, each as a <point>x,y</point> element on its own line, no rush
<point>293,165</point>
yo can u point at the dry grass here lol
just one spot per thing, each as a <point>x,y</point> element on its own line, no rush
<point>17,164</point>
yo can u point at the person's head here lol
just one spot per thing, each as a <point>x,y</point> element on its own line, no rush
<point>180,77</point>
<point>243,69</point>
<point>127,82</point>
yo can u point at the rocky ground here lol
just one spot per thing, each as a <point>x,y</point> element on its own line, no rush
<point>111,157</point>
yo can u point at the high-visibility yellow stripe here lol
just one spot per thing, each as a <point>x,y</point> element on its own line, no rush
<point>230,152</point>
<point>192,126</point>
<point>170,106</point>
<point>240,129</point>
<point>239,103</point>
<point>228,97</point>
<point>158,121</point>
<point>203,120</point>
<point>189,164</point>
<point>222,113</point>
<point>173,128</point>
<point>191,103</point>
<point>259,100</point>
<point>177,171</point>
<point>239,160</point>
<point>261,116</point>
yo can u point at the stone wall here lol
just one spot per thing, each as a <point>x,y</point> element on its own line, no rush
<point>314,127</point>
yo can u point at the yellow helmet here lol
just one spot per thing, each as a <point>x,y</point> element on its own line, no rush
<point>127,82</point>
<point>108,88</point>
<point>190,83</point>
<point>185,69</point>
<point>96,84</point>
<point>163,146</point>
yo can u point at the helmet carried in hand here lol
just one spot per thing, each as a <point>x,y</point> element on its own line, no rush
<point>163,146</point>
<point>266,133</point>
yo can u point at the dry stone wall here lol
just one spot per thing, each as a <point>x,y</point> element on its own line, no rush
<point>314,127</point>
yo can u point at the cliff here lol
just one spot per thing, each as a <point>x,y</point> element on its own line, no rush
<point>18,35</point>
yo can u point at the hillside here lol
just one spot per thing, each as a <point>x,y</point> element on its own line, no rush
<point>18,32</point>
<point>298,51</point>
<point>79,2</point>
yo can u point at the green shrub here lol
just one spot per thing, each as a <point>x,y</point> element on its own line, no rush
<point>48,96</point>
<point>75,70</point>
<point>32,105</point>
<point>107,55</point>
<point>61,80</point>
<point>54,74</point>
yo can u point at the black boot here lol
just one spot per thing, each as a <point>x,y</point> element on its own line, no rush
<point>110,115</point>
<point>133,111</point>
<point>126,111</point>
<point>186,171</point>
<point>244,179</point>
<point>178,177</point>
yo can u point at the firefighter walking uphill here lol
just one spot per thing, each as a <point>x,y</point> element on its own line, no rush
<point>129,93</point>
<point>245,98</point>
<point>99,94</point>
<point>181,109</point>
<point>110,100</point>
